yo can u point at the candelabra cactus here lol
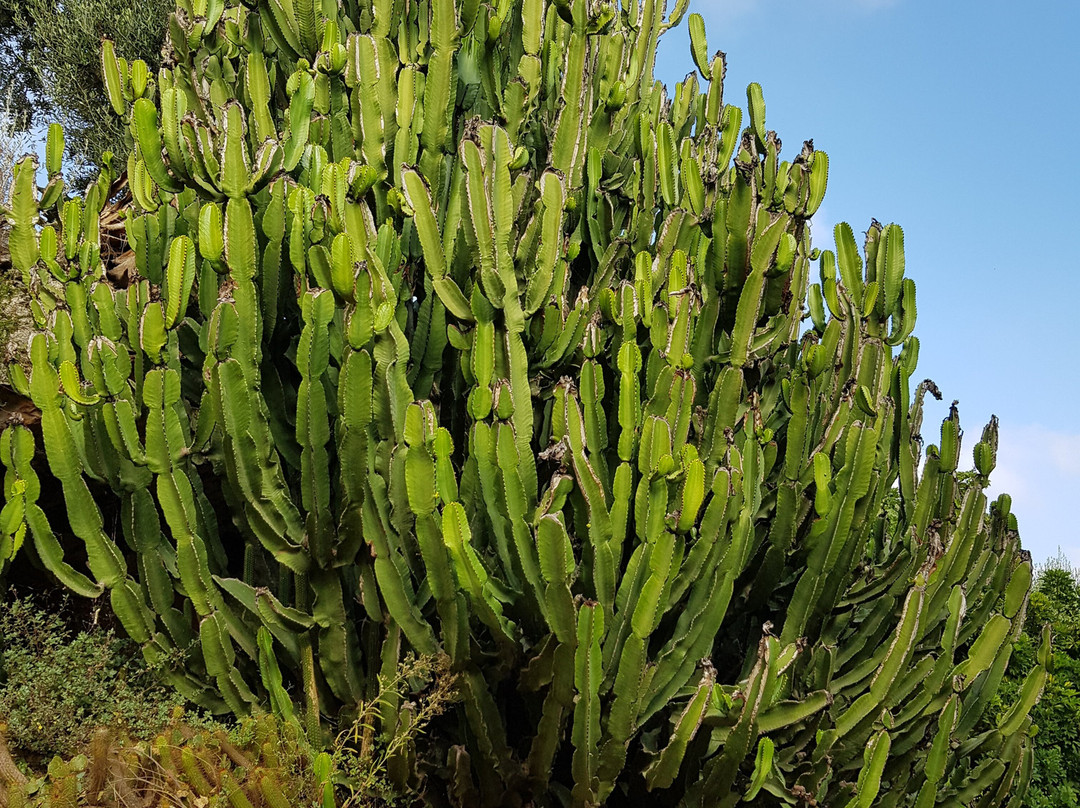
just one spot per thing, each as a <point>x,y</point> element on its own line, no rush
<point>450,331</point>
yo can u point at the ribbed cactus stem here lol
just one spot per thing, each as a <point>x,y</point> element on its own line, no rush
<point>17,797</point>
<point>312,719</point>
<point>100,745</point>
<point>249,564</point>
<point>237,756</point>
<point>194,773</point>
<point>271,792</point>
<point>233,792</point>
<point>10,775</point>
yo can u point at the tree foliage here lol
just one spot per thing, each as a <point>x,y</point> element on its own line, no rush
<point>50,62</point>
<point>1055,600</point>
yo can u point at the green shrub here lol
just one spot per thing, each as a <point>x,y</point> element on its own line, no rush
<point>61,684</point>
<point>182,755</point>
<point>1055,600</point>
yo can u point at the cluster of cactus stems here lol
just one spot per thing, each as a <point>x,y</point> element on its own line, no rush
<point>181,767</point>
<point>453,332</point>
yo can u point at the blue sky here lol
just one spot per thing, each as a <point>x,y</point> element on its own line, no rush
<point>959,121</point>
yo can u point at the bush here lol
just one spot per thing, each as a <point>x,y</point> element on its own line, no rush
<point>84,717</point>
<point>1055,600</point>
<point>62,684</point>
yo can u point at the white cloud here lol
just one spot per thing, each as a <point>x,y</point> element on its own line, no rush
<point>1065,454</point>
<point>1040,469</point>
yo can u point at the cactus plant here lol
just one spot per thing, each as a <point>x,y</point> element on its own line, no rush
<point>453,332</point>
<point>182,766</point>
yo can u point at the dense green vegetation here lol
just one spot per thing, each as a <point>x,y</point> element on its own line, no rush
<point>449,342</point>
<point>1055,600</point>
<point>82,715</point>
<point>59,685</point>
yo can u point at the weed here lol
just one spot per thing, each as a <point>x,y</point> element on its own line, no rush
<point>372,756</point>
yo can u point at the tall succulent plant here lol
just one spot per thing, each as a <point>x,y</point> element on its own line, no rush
<point>452,332</point>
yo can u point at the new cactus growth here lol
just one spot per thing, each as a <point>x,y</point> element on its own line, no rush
<point>452,331</point>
